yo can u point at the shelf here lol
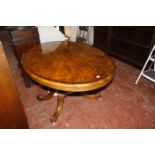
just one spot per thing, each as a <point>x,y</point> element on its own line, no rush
<point>149,74</point>
<point>131,42</point>
<point>142,28</point>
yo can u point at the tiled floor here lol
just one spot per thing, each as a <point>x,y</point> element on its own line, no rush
<point>122,104</point>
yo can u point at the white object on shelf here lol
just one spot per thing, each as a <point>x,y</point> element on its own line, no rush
<point>149,73</point>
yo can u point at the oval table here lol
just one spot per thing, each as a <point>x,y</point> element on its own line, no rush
<point>67,67</point>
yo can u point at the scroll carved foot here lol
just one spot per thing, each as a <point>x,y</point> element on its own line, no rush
<point>60,102</point>
<point>45,97</point>
<point>92,96</point>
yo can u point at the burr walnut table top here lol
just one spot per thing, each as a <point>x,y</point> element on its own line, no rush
<point>68,66</point>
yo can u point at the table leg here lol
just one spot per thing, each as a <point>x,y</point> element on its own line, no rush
<point>45,97</point>
<point>60,102</point>
<point>92,96</point>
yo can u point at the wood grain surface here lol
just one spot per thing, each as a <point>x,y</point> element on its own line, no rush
<point>68,66</point>
<point>12,114</point>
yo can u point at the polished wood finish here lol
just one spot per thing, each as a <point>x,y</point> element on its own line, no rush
<point>12,114</point>
<point>45,97</point>
<point>23,38</point>
<point>92,96</point>
<point>130,44</point>
<point>68,67</point>
<point>60,102</point>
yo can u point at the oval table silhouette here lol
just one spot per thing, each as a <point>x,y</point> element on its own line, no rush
<point>68,67</point>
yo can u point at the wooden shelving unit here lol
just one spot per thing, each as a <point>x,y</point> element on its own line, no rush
<point>131,44</point>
